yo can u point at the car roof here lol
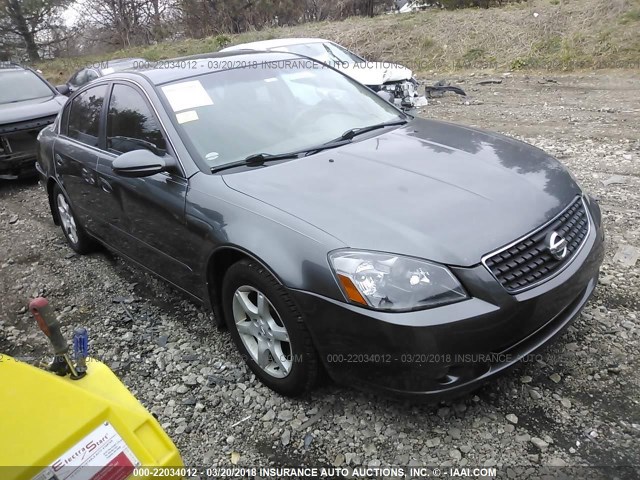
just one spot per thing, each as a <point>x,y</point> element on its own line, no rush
<point>124,60</point>
<point>120,64</point>
<point>165,71</point>
<point>277,42</point>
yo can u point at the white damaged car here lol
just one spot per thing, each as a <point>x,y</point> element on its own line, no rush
<point>397,81</point>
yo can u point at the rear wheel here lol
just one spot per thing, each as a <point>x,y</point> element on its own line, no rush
<point>76,237</point>
<point>268,329</point>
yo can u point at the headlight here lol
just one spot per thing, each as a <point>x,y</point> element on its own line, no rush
<point>392,282</point>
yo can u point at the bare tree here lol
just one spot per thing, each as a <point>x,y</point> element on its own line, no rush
<point>211,17</point>
<point>123,23</point>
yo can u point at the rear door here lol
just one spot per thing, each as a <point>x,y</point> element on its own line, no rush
<point>149,225</point>
<point>75,152</point>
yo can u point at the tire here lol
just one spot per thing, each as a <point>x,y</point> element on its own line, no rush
<point>76,236</point>
<point>288,367</point>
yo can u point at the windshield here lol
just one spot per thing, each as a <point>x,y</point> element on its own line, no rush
<point>270,108</point>
<point>20,85</point>
<point>327,52</point>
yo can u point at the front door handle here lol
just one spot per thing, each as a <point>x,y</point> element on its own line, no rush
<point>59,160</point>
<point>106,186</point>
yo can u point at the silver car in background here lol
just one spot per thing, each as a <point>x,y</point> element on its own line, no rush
<point>397,81</point>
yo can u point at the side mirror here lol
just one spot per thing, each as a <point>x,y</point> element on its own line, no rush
<point>140,163</point>
<point>63,89</point>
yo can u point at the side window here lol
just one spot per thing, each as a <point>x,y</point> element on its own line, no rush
<point>131,125</point>
<point>84,115</point>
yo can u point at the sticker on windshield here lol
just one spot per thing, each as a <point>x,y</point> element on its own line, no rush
<point>298,75</point>
<point>188,116</point>
<point>186,95</point>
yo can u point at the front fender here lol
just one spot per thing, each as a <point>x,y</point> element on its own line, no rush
<point>293,250</point>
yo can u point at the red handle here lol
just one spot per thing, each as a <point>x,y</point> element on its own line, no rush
<point>35,306</point>
<point>48,323</point>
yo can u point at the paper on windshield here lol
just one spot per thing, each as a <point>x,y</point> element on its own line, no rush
<point>187,95</point>
<point>188,116</point>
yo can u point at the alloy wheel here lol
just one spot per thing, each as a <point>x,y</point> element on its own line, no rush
<point>66,217</point>
<point>262,331</point>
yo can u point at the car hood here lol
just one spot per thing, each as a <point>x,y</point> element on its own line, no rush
<point>375,73</point>
<point>428,189</point>
<point>30,109</point>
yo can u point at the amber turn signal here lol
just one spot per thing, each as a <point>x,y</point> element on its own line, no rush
<point>350,289</point>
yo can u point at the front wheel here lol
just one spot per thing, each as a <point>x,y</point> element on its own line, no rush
<point>268,329</point>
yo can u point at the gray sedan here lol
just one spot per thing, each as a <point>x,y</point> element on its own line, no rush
<point>326,228</point>
<point>89,73</point>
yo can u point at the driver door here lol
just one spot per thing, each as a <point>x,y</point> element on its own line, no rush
<point>143,217</point>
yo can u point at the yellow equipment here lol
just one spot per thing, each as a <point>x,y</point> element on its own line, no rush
<point>50,426</point>
<point>83,426</point>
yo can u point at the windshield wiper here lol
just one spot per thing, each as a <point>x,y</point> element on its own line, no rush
<point>349,134</point>
<point>257,159</point>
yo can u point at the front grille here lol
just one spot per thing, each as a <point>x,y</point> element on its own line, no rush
<point>18,140</point>
<point>33,124</point>
<point>529,262</point>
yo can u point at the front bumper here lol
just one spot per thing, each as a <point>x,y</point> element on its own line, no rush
<point>18,143</point>
<point>18,166</point>
<point>448,351</point>
<point>404,94</point>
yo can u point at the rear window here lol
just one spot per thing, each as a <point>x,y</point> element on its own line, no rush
<point>20,85</point>
<point>328,53</point>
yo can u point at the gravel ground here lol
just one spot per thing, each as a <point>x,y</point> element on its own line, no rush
<point>576,405</point>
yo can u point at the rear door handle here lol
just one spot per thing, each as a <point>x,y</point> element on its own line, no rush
<point>88,176</point>
<point>59,160</point>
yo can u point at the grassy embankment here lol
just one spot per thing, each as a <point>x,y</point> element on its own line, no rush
<point>565,35</point>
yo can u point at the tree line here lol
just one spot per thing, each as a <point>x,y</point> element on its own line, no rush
<point>33,29</point>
